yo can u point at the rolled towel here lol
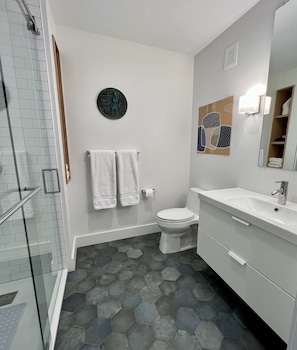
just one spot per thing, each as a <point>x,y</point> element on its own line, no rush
<point>273,165</point>
<point>275,159</point>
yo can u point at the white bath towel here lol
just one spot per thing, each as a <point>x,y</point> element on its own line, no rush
<point>103,174</point>
<point>128,181</point>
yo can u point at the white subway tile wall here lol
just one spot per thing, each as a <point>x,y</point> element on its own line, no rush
<point>25,75</point>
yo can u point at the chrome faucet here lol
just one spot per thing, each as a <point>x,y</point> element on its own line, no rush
<point>283,192</point>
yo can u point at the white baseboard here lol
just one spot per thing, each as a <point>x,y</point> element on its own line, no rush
<point>109,236</point>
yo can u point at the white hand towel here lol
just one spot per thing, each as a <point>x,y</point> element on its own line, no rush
<point>103,174</point>
<point>128,181</point>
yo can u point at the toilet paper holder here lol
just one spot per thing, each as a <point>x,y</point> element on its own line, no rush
<point>144,191</point>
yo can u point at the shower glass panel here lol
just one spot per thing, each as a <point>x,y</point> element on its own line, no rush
<point>31,254</point>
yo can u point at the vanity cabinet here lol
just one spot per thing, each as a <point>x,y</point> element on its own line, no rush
<point>280,123</point>
<point>259,266</point>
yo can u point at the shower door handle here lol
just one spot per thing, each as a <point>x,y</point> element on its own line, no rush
<point>51,182</point>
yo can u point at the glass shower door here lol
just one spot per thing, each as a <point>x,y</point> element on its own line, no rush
<point>19,318</point>
<point>33,155</point>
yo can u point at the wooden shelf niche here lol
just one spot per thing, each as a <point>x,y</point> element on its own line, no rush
<point>280,123</point>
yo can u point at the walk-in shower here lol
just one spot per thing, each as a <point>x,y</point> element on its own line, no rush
<point>32,252</point>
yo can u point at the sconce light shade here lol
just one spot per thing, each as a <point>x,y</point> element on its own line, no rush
<point>267,105</point>
<point>249,104</point>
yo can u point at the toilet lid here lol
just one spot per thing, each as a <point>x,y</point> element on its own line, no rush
<point>176,214</point>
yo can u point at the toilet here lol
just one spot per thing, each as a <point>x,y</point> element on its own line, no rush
<point>180,225</point>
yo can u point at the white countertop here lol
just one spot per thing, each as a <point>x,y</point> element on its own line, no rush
<point>221,199</point>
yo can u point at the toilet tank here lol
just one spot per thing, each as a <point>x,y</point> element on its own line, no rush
<point>193,202</point>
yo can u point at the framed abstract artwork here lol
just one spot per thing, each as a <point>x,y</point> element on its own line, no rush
<point>214,127</point>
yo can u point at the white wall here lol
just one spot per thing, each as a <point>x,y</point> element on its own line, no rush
<point>158,85</point>
<point>211,83</point>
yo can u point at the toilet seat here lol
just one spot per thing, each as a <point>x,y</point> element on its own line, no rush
<point>175,215</point>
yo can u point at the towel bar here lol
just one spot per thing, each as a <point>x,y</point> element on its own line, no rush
<point>88,153</point>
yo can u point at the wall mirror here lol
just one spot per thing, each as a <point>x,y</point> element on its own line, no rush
<point>278,147</point>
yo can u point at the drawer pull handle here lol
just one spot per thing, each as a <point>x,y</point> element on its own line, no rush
<point>241,221</point>
<point>237,258</point>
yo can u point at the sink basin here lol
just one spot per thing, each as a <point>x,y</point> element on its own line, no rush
<point>267,210</point>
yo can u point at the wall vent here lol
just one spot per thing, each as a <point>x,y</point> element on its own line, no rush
<point>231,55</point>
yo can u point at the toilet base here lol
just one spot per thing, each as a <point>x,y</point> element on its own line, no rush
<point>169,244</point>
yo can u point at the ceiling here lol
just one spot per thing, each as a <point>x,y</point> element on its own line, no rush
<point>185,26</point>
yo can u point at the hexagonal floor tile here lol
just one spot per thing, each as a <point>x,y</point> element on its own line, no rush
<point>203,292</point>
<point>199,277</point>
<point>141,337</point>
<point>186,319</point>
<point>86,264</point>
<point>106,279</point>
<point>158,256</point>
<point>160,345</point>
<point>167,306</point>
<point>151,294</point>
<point>125,275</point>
<point>134,253</point>
<point>209,335</point>
<point>231,344</point>
<point>89,347</point>
<point>185,297</point>
<point>130,264</point>
<point>186,269</point>
<point>130,300</point>
<point>85,315</point>
<point>186,282</point>
<point>183,340</point>
<point>71,339</point>
<point>108,308</point>
<point>153,278</point>
<point>169,288</point>
<point>145,313</point>
<point>136,284</point>
<point>113,267</point>
<point>116,341</point>
<point>170,274</point>
<point>74,302</point>
<point>76,276</point>
<point>98,330</point>
<point>103,260</point>
<point>205,311</point>
<point>228,325</point>
<point>86,284</point>
<point>96,295</point>
<point>116,288</point>
<point>123,322</point>
<point>164,328</point>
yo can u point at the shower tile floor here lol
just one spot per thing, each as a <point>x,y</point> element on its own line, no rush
<point>128,295</point>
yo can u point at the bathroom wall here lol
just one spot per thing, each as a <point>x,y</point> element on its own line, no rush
<point>158,85</point>
<point>211,83</point>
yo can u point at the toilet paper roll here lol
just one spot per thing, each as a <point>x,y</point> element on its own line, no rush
<point>149,193</point>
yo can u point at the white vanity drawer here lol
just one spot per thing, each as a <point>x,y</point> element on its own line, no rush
<point>274,257</point>
<point>270,302</point>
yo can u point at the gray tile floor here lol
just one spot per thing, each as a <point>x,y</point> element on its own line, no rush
<point>128,295</point>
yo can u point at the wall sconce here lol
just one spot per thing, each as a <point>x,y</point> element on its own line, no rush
<point>249,104</point>
<point>267,105</point>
